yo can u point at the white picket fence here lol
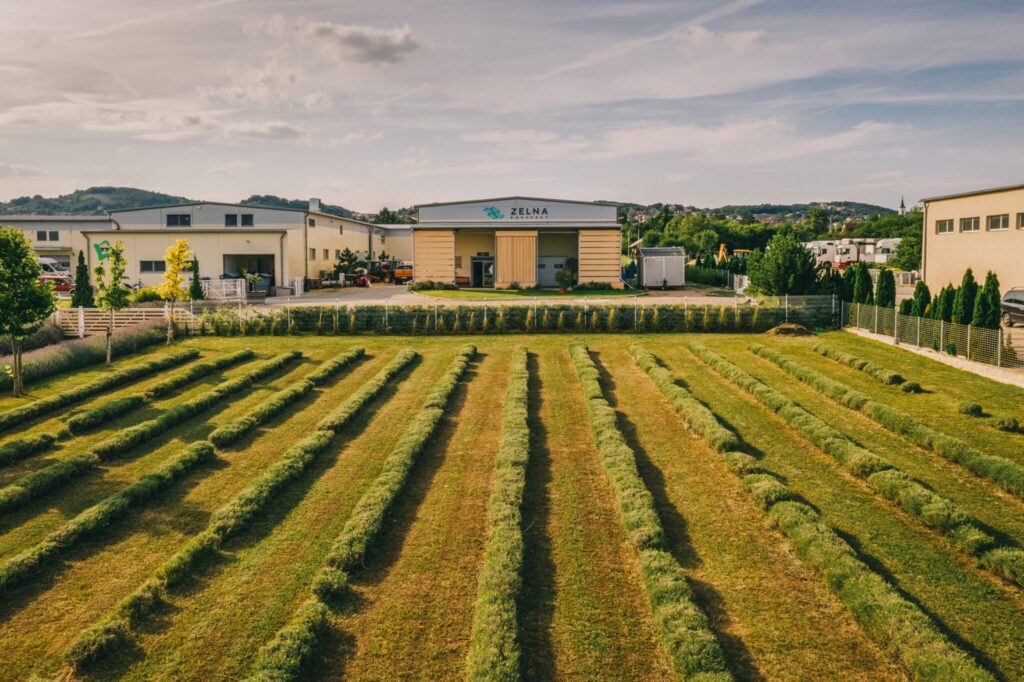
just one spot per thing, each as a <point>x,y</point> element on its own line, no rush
<point>82,322</point>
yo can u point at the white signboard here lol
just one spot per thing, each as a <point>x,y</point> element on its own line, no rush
<point>517,211</point>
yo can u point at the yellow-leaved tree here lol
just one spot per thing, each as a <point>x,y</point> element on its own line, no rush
<point>172,290</point>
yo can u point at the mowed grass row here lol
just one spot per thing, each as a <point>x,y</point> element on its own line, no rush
<point>682,626</point>
<point>262,574</point>
<point>116,629</point>
<point>51,477</point>
<point>896,624</point>
<point>979,612</point>
<point>935,511</point>
<point>797,628</point>
<point>293,647</point>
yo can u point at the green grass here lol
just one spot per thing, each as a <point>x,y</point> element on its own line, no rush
<point>527,294</point>
<point>583,611</point>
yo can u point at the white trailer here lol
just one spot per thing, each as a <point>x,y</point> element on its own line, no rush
<point>661,267</point>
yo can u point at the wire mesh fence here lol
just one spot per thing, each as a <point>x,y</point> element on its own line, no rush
<point>997,347</point>
<point>736,315</point>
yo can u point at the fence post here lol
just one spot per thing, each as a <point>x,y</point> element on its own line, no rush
<point>896,327</point>
<point>876,319</point>
<point>435,317</point>
<point>999,348</point>
<point>288,312</point>
<point>787,307</point>
<point>81,322</point>
<point>919,332</point>
<point>968,356</point>
<point>636,322</point>
<point>586,320</point>
<point>385,315</point>
<point>942,336</point>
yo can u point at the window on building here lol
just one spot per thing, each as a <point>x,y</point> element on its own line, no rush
<point>54,236</point>
<point>179,220</point>
<point>327,254</point>
<point>312,254</point>
<point>998,222</point>
<point>247,220</point>
<point>230,220</point>
<point>337,254</point>
<point>970,224</point>
<point>943,226</point>
<point>341,229</point>
<point>383,239</point>
<point>312,222</point>
<point>152,266</point>
<point>458,261</point>
<point>41,235</point>
<point>1020,221</point>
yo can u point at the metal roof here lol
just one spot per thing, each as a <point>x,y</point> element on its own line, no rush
<point>484,201</point>
<point>56,218</point>
<point>992,190</point>
<point>661,251</point>
<point>225,203</point>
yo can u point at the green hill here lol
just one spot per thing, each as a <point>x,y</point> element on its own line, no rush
<point>91,201</point>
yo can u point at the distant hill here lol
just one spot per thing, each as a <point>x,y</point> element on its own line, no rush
<point>785,212</point>
<point>279,202</point>
<point>92,201</point>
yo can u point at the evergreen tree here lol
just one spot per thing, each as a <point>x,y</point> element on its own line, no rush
<point>987,304</point>
<point>963,304</point>
<point>195,288</point>
<point>906,306</point>
<point>82,295</point>
<point>831,283</point>
<point>848,277</point>
<point>862,284</point>
<point>885,289</point>
<point>786,267</point>
<point>942,305</point>
<point>922,299</point>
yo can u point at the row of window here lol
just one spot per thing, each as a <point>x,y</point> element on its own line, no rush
<point>159,266</point>
<point>47,236</point>
<point>230,220</point>
<point>992,223</point>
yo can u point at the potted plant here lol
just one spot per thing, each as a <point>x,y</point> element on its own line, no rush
<point>252,279</point>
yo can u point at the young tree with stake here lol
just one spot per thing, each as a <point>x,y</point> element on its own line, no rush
<point>113,294</point>
<point>172,290</point>
<point>25,302</point>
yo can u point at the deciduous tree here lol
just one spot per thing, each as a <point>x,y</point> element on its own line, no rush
<point>25,301</point>
<point>172,288</point>
<point>786,267</point>
<point>113,294</point>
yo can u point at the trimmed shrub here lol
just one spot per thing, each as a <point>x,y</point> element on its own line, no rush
<point>87,419</point>
<point>14,450</point>
<point>43,480</point>
<point>1005,473</point>
<point>971,409</point>
<point>895,623</point>
<point>285,657</point>
<point>682,627</point>
<point>115,629</point>
<point>118,377</point>
<point>16,569</point>
<point>894,485</point>
<point>328,370</point>
<point>197,371</point>
<point>493,649</point>
<point>883,375</point>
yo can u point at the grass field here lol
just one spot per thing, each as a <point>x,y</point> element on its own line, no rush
<point>657,542</point>
<point>527,294</point>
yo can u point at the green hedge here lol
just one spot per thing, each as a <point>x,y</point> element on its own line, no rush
<point>493,647</point>
<point>43,480</point>
<point>285,657</point>
<point>895,623</point>
<point>546,317</point>
<point>882,374</point>
<point>1007,474</point>
<point>682,627</point>
<point>116,628</point>
<point>28,563</point>
<point>20,448</point>
<point>115,378</point>
<point>894,485</point>
<point>232,431</point>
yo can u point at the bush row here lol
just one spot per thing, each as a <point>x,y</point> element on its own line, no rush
<point>511,318</point>
<point>882,374</point>
<point>197,371</point>
<point>16,569</point>
<point>682,627</point>
<point>47,478</point>
<point>285,656</point>
<point>118,377</point>
<point>932,509</point>
<point>895,623</point>
<point>1007,474</point>
<point>493,649</point>
<point>91,350</point>
<point>232,431</point>
<point>1001,422</point>
<point>20,448</point>
<point>115,629</point>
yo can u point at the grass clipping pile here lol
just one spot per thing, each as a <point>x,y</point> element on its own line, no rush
<point>790,329</point>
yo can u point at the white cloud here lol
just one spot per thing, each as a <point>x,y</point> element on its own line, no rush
<point>229,167</point>
<point>266,85</point>
<point>529,143</point>
<point>699,40</point>
<point>265,130</point>
<point>317,101</point>
<point>10,170</point>
<point>361,136</point>
<point>341,42</point>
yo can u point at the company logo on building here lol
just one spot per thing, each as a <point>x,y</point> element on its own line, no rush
<point>493,212</point>
<point>102,249</point>
<point>518,213</point>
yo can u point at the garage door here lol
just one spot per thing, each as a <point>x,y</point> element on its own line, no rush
<point>547,266</point>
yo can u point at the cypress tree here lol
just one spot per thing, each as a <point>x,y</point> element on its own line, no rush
<point>82,295</point>
<point>987,304</point>
<point>885,289</point>
<point>922,299</point>
<point>906,306</point>
<point>195,288</point>
<point>848,276</point>
<point>963,304</point>
<point>862,285</point>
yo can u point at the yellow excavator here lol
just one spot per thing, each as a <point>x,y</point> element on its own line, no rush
<point>723,253</point>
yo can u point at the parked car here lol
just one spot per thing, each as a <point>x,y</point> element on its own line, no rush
<point>1012,307</point>
<point>61,283</point>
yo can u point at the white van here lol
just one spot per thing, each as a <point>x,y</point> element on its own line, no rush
<point>51,266</point>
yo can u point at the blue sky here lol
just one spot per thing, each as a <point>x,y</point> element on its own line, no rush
<point>389,102</point>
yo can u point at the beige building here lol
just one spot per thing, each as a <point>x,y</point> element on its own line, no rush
<point>982,230</point>
<point>523,240</point>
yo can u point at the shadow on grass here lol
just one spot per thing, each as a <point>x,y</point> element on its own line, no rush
<point>738,656</point>
<point>339,647</point>
<point>537,596</point>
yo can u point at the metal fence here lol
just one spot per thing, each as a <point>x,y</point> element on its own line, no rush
<point>997,347</point>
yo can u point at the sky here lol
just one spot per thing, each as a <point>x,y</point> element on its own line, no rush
<point>367,104</point>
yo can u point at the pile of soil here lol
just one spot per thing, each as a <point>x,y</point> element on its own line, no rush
<point>790,329</point>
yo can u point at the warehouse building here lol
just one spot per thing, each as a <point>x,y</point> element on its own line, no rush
<point>523,240</point>
<point>56,236</point>
<point>982,230</point>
